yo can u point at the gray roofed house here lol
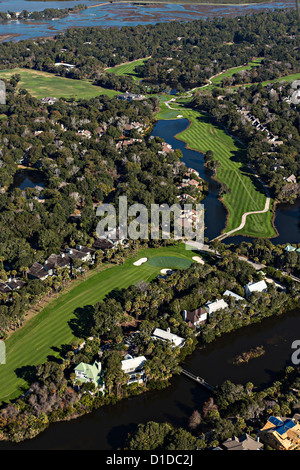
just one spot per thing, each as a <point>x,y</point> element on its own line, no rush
<point>14,284</point>
<point>290,179</point>
<point>56,261</point>
<point>90,252</point>
<point>37,271</point>
<point>77,254</point>
<point>244,442</point>
<point>49,100</point>
<point>4,289</point>
<point>102,244</point>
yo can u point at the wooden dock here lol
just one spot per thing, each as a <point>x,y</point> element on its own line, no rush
<point>198,379</point>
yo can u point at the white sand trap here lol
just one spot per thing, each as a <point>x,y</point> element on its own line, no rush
<point>140,261</point>
<point>179,115</point>
<point>166,271</point>
<point>198,259</point>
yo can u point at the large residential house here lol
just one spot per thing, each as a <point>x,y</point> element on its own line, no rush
<point>281,433</point>
<point>238,298</point>
<point>37,271</point>
<point>131,97</point>
<point>15,284</point>
<point>212,307</point>
<point>163,335</point>
<point>89,252</point>
<point>133,366</point>
<point>63,260</point>
<point>290,179</point>
<point>114,236</point>
<point>103,244</point>
<point>55,262</point>
<point>4,288</point>
<point>78,254</point>
<point>49,100</point>
<point>251,287</point>
<point>244,442</point>
<point>290,248</point>
<point>194,318</point>
<point>90,373</point>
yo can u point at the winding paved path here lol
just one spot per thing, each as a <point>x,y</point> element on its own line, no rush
<point>244,216</point>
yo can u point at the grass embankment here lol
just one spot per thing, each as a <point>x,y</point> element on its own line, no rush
<point>246,194</point>
<point>43,335</point>
<point>42,84</point>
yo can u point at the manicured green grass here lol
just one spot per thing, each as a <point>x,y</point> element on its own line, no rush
<point>247,194</point>
<point>42,84</point>
<point>170,262</point>
<point>43,335</point>
<point>127,69</point>
<point>218,80</point>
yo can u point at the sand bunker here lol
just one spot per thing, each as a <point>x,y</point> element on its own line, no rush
<point>179,116</point>
<point>140,261</point>
<point>166,271</point>
<point>198,259</point>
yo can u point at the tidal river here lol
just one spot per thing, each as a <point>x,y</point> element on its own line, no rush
<point>108,427</point>
<point>287,220</point>
<point>105,14</point>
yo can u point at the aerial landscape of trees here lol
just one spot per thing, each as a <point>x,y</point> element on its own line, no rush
<point>85,152</point>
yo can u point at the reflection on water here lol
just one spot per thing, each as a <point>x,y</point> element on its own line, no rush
<point>27,179</point>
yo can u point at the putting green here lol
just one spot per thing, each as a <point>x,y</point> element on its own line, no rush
<point>170,262</point>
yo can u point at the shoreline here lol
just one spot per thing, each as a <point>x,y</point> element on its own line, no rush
<point>162,2</point>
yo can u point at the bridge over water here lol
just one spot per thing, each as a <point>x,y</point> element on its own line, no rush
<point>198,379</point>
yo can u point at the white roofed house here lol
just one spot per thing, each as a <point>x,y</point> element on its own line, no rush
<point>133,367</point>
<point>49,100</point>
<point>168,336</point>
<point>290,179</point>
<point>237,298</point>
<point>213,307</point>
<point>251,287</point>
